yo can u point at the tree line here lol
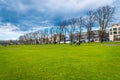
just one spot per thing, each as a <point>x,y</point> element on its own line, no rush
<point>72,29</point>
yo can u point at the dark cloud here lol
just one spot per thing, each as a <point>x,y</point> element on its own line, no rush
<point>29,14</point>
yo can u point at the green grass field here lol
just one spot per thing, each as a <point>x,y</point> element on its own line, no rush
<point>92,61</point>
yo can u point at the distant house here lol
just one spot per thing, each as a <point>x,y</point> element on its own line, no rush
<point>57,38</point>
<point>114,33</point>
<point>9,42</point>
<point>94,36</point>
<point>4,43</point>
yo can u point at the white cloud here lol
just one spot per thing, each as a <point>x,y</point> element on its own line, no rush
<point>15,5</point>
<point>9,31</point>
<point>117,11</point>
<point>49,8</point>
<point>76,5</point>
<point>68,5</point>
<point>55,5</point>
<point>7,27</point>
<point>65,8</point>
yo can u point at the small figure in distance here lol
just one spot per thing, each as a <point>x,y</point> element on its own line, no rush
<point>79,43</point>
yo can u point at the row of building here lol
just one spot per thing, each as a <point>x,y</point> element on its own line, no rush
<point>113,34</point>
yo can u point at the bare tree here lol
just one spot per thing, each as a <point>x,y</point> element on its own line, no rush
<point>51,34</point>
<point>80,25</point>
<point>64,24</point>
<point>103,16</point>
<point>41,38</point>
<point>55,31</point>
<point>72,30</point>
<point>89,23</point>
<point>60,32</point>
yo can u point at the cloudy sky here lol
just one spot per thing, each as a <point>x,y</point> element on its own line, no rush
<point>18,17</point>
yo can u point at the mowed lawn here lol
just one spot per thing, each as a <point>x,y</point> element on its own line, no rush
<point>92,61</point>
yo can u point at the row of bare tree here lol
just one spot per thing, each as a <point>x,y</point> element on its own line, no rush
<point>99,19</point>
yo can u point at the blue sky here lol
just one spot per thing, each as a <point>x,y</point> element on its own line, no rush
<point>18,17</point>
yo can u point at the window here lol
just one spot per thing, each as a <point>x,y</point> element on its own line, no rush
<point>114,28</point>
<point>119,28</point>
<point>119,37</point>
<point>110,33</point>
<point>115,32</point>
<point>110,29</point>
